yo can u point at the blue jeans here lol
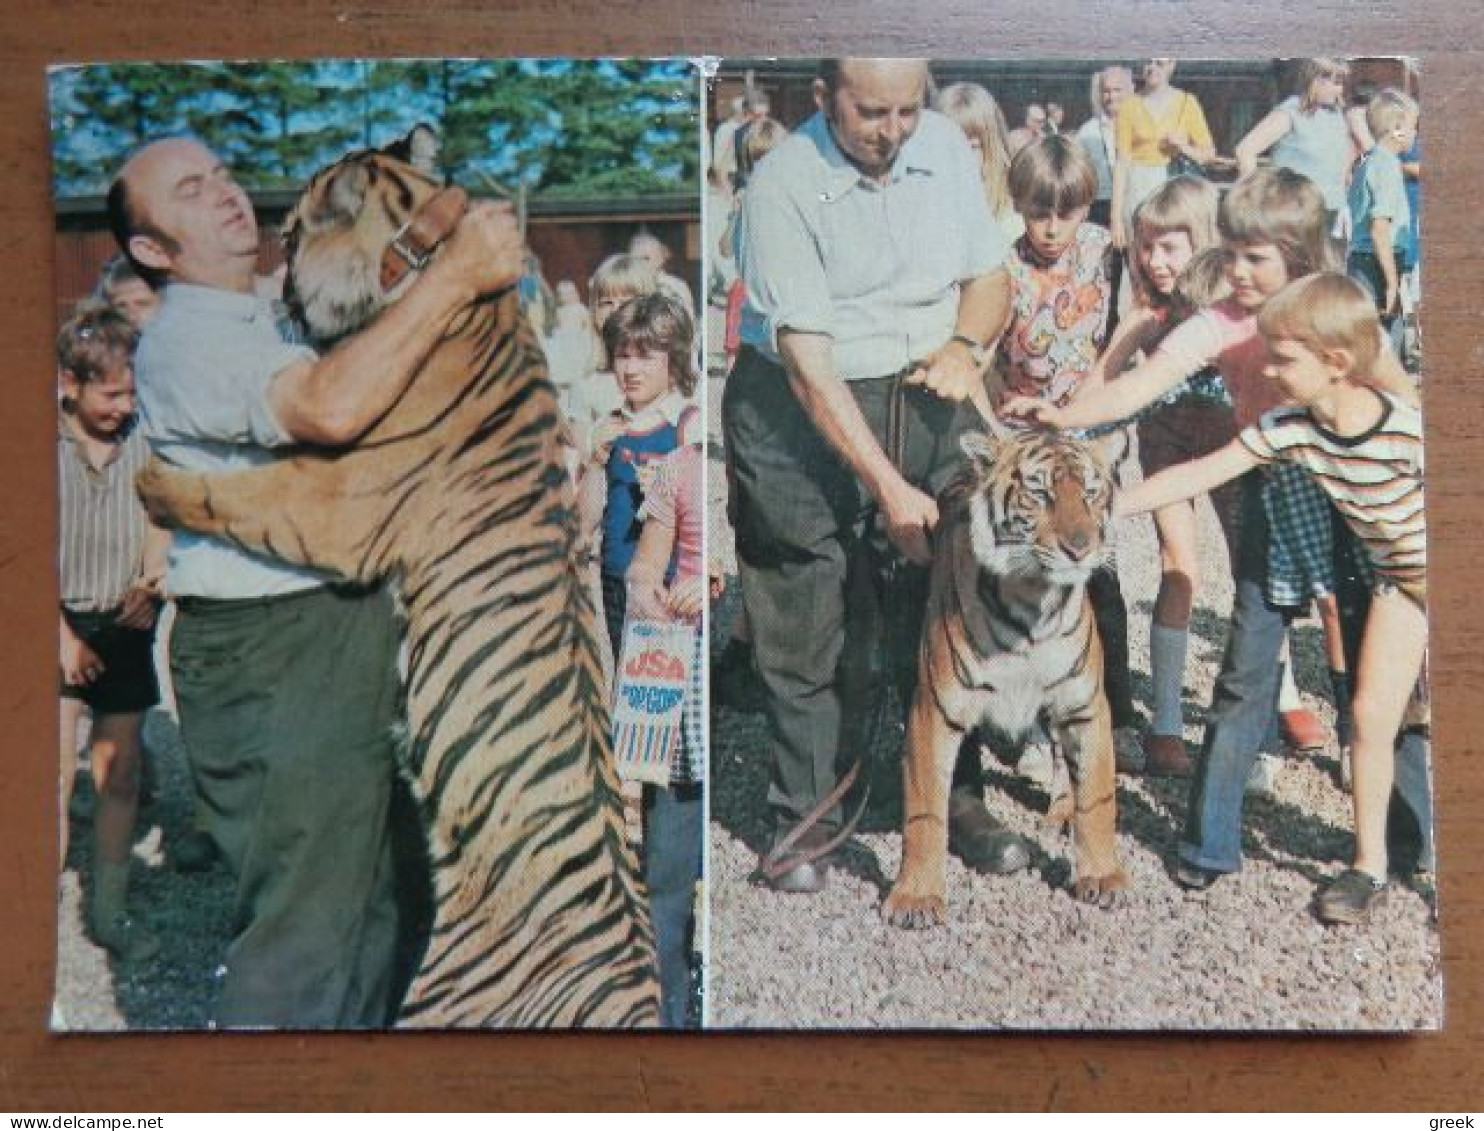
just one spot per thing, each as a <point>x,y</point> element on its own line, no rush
<point>1244,704</point>
<point>672,865</point>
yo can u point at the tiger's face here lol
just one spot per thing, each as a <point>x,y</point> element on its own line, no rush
<point>347,217</point>
<point>1039,505</point>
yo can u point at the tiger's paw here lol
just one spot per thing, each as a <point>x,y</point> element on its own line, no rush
<point>170,496</point>
<point>1101,891</point>
<point>1063,809</point>
<point>914,911</point>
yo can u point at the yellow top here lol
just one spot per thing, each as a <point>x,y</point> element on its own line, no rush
<point>1139,130</point>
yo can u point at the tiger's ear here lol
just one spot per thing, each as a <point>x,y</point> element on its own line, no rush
<point>347,193</point>
<point>419,149</point>
<point>980,448</point>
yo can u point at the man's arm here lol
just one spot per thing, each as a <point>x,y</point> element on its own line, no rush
<point>983,312</point>
<point>809,361</point>
<point>334,400</point>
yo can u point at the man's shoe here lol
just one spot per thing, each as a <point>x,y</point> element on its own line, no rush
<point>1302,729</point>
<point>195,852</point>
<point>124,938</point>
<point>801,870</point>
<point>980,841</point>
<point>1165,756</point>
<point>1350,899</point>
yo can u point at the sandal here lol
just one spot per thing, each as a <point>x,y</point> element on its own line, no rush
<point>1350,898</point>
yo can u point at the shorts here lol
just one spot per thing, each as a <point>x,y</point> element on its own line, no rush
<point>1187,429</point>
<point>128,685</point>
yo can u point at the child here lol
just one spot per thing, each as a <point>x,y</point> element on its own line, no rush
<point>1059,313</point>
<point>593,397</point>
<point>650,341</point>
<point>112,562</point>
<point>1176,270</point>
<point>1379,208</point>
<point>668,581</point>
<point>121,287</point>
<point>1272,227</point>
<point>1363,446</point>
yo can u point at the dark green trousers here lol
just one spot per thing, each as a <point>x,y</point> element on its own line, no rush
<point>286,707</point>
<point>833,610</point>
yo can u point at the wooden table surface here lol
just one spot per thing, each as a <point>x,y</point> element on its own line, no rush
<point>38,1072</point>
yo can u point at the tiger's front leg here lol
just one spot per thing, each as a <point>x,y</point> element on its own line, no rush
<point>326,512</point>
<point>1088,746</point>
<point>919,897</point>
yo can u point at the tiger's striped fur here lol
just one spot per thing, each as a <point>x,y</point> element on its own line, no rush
<point>1009,641</point>
<point>461,495</point>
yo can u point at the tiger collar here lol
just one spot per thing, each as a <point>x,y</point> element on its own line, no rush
<point>417,240</point>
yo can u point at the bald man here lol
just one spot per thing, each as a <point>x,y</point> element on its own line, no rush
<point>875,280</point>
<point>285,681</point>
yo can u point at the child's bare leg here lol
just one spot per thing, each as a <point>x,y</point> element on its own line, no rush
<point>72,710</point>
<point>1390,662</point>
<point>117,751</point>
<point>1179,563</point>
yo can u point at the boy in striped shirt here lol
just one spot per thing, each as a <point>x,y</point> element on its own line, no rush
<point>1363,446</point>
<point>111,564</point>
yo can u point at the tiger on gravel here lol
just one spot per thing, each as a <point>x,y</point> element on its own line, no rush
<point>1008,642</point>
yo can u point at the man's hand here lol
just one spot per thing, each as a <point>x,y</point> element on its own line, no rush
<point>1044,413</point>
<point>485,252</point>
<point>948,372</point>
<point>910,517</point>
<point>80,664</point>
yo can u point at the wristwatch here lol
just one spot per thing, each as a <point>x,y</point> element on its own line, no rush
<point>978,351</point>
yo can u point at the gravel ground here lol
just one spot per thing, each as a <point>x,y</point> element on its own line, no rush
<point>1019,952</point>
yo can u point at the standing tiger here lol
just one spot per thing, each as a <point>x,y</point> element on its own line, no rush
<point>1009,642</point>
<point>461,494</point>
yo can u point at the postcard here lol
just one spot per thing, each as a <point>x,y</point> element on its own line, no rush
<point>743,544</point>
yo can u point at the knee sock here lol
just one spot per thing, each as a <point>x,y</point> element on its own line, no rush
<point>1167,647</point>
<point>1344,715</point>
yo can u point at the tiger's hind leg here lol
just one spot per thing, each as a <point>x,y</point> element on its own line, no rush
<point>328,512</point>
<point>1088,745</point>
<point>919,897</point>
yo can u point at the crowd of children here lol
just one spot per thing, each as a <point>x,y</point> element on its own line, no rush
<point>1296,522</point>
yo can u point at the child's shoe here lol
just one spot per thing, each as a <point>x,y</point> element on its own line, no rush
<point>1165,756</point>
<point>1302,729</point>
<point>1350,898</point>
